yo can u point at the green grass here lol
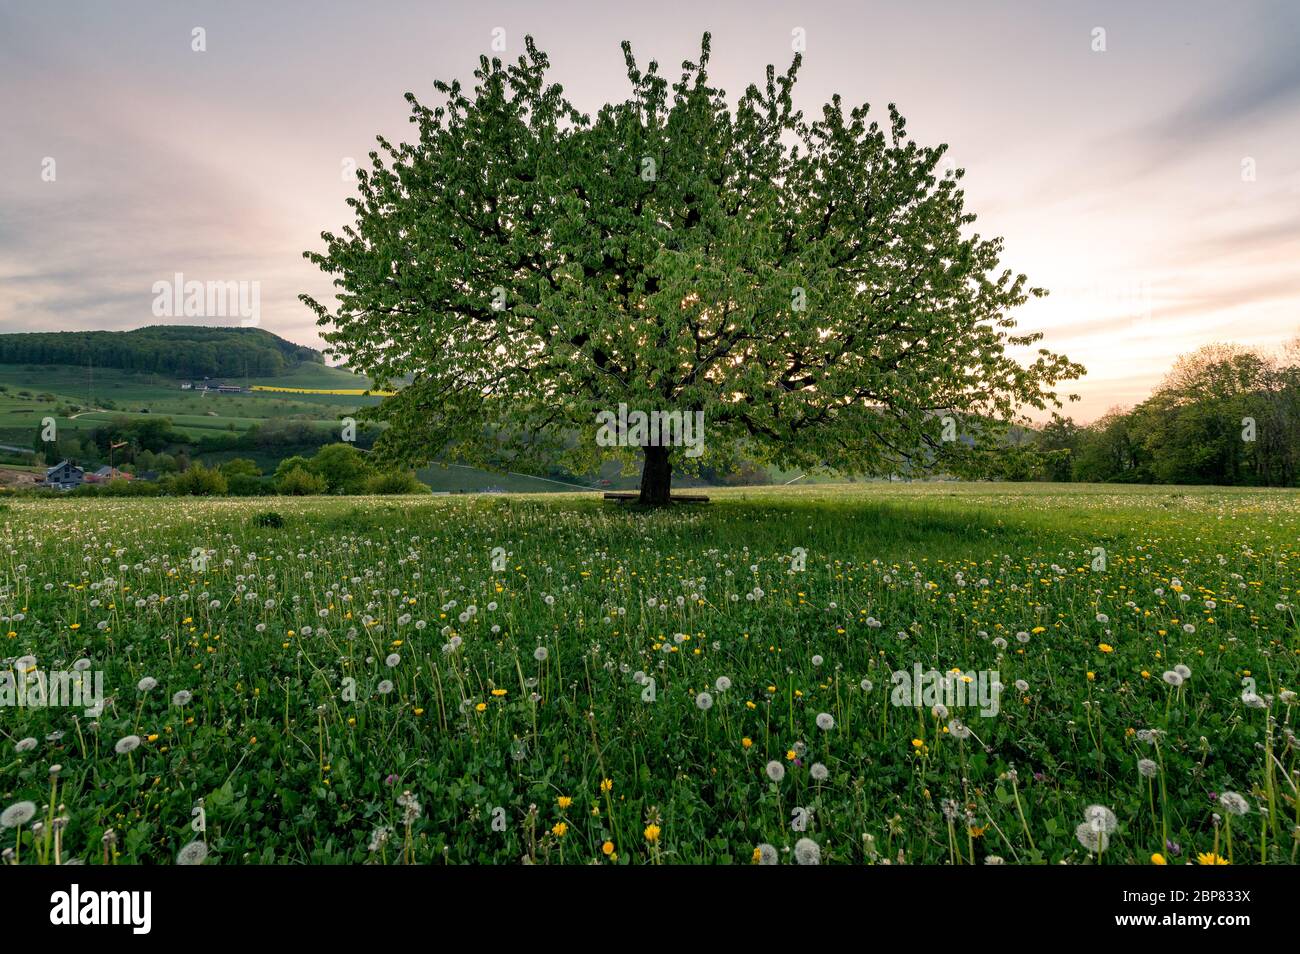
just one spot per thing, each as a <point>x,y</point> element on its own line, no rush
<point>292,765</point>
<point>134,395</point>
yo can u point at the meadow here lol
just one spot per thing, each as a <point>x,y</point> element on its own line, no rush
<point>507,679</point>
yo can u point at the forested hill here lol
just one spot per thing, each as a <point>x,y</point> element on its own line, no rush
<point>180,350</point>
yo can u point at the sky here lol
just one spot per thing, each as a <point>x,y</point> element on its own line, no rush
<point>1141,161</point>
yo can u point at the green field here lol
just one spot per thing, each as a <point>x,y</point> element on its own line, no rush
<point>80,399</point>
<point>73,398</point>
<point>366,685</point>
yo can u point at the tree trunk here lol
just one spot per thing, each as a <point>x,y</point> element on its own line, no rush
<point>656,476</point>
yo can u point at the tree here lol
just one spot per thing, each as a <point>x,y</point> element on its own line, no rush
<point>1109,450</point>
<point>288,464</point>
<point>806,289</point>
<point>200,481</point>
<point>300,482</point>
<point>1060,437</point>
<point>395,482</point>
<point>240,467</point>
<point>343,467</point>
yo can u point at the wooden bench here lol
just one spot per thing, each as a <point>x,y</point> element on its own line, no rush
<point>627,497</point>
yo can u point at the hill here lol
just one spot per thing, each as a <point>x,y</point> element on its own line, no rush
<point>176,350</point>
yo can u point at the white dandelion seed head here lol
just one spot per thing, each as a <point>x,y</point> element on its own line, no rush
<point>147,683</point>
<point>775,770</point>
<point>192,854</point>
<point>1233,803</point>
<point>825,721</point>
<point>703,701</point>
<point>1100,818</point>
<point>1095,841</point>
<point>1147,768</point>
<point>128,743</point>
<point>807,852</point>
<point>722,684</point>
<point>19,813</point>
<point>819,772</point>
<point>768,855</point>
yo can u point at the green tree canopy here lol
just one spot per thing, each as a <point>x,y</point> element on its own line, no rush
<point>812,287</point>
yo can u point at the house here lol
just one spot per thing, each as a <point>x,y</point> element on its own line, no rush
<point>187,386</point>
<point>216,387</point>
<point>105,474</point>
<point>64,476</point>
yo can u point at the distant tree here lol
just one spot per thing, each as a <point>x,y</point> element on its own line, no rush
<point>300,482</point>
<point>343,467</point>
<point>200,481</point>
<point>179,350</point>
<point>395,482</point>
<point>1061,435</point>
<point>248,485</point>
<point>1191,428</point>
<point>240,467</point>
<point>1109,451</point>
<point>296,462</point>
